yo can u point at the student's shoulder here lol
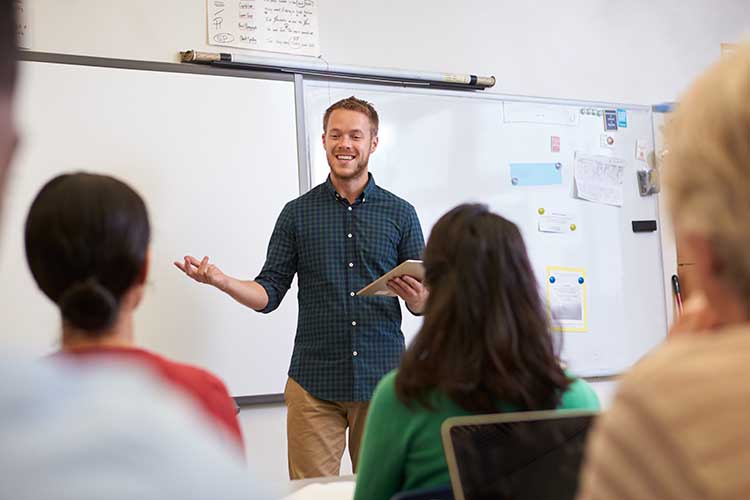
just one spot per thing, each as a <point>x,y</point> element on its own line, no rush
<point>387,385</point>
<point>187,374</point>
<point>385,393</point>
<point>699,360</point>
<point>579,395</point>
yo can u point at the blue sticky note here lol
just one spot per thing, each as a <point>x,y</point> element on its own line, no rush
<point>535,174</point>
<point>622,118</point>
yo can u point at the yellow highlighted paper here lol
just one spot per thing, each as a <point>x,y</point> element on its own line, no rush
<point>566,298</point>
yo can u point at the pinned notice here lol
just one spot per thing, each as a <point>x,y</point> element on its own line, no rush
<point>284,26</point>
<point>599,179</point>
<point>566,298</point>
<point>554,222</point>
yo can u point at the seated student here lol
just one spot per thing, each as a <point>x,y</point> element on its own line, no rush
<point>110,431</point>
<point>87,239</point>
<point>678,426</point>
<point>485,347</point>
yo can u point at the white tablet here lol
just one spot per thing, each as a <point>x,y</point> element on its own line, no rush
<point>413,268</point>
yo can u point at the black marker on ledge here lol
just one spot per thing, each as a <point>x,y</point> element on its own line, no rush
<point>677,293</point>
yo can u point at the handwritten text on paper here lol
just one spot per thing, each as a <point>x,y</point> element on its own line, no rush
<point>289,26</point>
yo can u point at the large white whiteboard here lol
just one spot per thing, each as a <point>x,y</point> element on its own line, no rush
<point>215,158</point>
<point>441,148</point>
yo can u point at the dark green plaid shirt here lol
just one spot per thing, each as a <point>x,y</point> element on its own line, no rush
<point>344,343</point>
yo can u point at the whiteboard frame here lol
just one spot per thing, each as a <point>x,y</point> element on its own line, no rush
<point>666,236</point>
<point>75,60</point>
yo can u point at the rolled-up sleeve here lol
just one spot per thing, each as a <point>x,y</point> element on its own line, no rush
<point>411,245</point>
<point>281,260</point>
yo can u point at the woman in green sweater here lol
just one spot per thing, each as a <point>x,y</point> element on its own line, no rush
<point>485,347</point>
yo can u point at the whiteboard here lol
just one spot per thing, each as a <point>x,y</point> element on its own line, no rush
<point>215,158</point>
<point>441,148</point>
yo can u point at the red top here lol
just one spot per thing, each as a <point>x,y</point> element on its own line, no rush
<point>202,386</point>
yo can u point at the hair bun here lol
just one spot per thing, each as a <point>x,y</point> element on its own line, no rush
<point>88,305</point>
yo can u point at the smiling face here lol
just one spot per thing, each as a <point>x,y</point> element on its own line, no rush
<point>348,141</point>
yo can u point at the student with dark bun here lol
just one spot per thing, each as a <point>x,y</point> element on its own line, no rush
<point>87,241</point>
<point>94,431</point>
<point>484,347</point>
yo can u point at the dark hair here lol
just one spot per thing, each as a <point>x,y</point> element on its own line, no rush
<point>8,48</point>
<point>354,104</point>
<point>485,340</point>
<point>86,241</point>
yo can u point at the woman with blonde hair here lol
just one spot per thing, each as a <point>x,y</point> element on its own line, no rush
<point>678,428</point>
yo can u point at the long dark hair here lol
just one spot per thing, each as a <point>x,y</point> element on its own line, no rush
<point>486,338</point>
<point>86,241</point>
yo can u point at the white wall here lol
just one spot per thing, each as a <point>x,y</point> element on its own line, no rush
<point>637,51</point>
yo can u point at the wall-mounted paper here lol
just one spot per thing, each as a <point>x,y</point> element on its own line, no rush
<point>535,174</point>
<point>288,26</point>
<point>599,179</point>
<point>622,118</point>
<point>24,37</point>
<point>555,222</point>
<point>566,298</point>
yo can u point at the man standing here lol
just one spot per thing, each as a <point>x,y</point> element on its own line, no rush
<point>338,237</point>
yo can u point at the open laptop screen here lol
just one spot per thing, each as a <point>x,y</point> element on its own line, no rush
<point>516,456</point>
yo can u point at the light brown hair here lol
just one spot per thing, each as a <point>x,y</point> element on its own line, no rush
<point>354,104</point>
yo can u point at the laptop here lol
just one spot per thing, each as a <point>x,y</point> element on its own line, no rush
<point>516,456</point>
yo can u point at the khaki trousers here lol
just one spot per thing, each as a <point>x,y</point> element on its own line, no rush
<point>316,432</point>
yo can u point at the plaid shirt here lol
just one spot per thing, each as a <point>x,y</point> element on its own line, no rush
<point>344,343</point>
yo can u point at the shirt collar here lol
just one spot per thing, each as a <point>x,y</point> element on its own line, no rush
<point>368,191</point>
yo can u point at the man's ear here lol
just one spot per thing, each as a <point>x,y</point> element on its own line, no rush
<point>374,144</point>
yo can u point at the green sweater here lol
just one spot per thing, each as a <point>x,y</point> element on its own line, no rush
<point>402,449</point>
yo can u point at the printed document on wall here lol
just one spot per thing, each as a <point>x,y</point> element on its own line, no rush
<point>23,24</point>
<point>288,26</point>
<point>566,298</point>
<point>599,178</point>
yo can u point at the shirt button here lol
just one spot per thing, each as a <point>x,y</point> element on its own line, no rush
<point>350,209</point>
<point>354,323</point>
<point>354,353</point>
<point>349,235</point>
<point>351,294</point>
<point>351,264</point>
